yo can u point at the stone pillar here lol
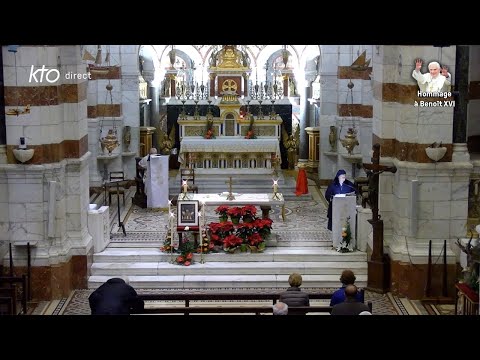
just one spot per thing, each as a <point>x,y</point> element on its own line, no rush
<point>155,108</point>
<point>212,84</point>
<point>285,85</point>
<point>430,197</point>
<point>461,101</point>
<point>57,132</point>
<point>304,122</point>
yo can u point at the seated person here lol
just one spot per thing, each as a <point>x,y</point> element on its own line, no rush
<point>347,278</point>
<point>294,296</point>
<point>280,308</point>
<point>350,306</point>
<point>115,297</point>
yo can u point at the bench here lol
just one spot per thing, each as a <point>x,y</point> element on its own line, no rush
<point>273,297</point>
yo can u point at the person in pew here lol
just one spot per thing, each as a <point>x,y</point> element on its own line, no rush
<point>115,297</point>
<point>347,278</point>
<point>339,185</point>
<point>280,308</point>
<point>350,306</point>
<point>294,296</point>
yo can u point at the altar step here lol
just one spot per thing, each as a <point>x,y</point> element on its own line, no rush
<point>151,268</point>
<point>242,183</point>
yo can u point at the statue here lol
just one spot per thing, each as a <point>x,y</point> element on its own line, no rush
<point>291,143</point>
<point>166,142</point>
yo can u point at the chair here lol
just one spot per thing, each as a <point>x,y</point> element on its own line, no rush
<point>189,175</point>
<point>116,176</point>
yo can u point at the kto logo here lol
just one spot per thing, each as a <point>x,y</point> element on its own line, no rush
<point>51,75</point>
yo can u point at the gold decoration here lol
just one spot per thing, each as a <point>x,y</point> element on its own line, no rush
<point>229,85</point>
<point>350,141</point>
<point>110,141</point>
<point>165,141</point>
<point>229,57</point>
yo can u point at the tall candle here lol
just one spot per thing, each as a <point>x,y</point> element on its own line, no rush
<point>185,186</point>
<point>275,187</point>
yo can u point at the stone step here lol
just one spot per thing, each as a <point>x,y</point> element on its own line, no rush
<point>225,281</point>
<point>227,268</point>
<point>287,254</point>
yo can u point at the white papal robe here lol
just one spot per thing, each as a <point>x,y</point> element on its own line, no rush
<point>428,84</point>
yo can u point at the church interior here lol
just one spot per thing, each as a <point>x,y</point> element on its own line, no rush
<point>256,132</point>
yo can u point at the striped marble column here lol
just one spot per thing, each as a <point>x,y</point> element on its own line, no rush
<point>426,199</point>
<point>55,127</point>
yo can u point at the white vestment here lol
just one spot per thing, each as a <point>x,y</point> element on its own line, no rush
<point>427,84</point>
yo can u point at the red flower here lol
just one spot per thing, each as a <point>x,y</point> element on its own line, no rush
<point>235,212</point>
<point>187,263</point>
<point>222,210</point>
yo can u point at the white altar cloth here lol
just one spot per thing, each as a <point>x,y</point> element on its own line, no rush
<point>157,181</point>
<point>227,145</point>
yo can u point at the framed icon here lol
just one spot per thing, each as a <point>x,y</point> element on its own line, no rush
<point>187,213</point>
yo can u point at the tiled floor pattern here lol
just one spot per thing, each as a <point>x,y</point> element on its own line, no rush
<point>77,303</point>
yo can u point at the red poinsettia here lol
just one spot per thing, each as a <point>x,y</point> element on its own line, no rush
<point>231,242</point>
<point>235,212</point>
<point>222,210</point>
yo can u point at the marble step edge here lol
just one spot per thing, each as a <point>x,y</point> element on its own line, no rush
<point>222,266</point>
<point>224,281</point>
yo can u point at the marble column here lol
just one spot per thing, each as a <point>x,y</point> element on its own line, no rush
<point>3,129</point>
<point>461,101</point>
<point>154,91</point>
<point>57,132</point>
<point>304,122</point>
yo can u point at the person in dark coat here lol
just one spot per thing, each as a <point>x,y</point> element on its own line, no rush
<point>294,296</point>
<point>340,185</point>
<point>347,278</point>
<point>350,306</point>
<point>115,297</point>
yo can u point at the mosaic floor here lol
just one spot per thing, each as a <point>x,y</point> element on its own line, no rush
<point>386,304</point>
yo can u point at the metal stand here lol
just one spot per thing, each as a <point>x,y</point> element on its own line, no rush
<point>120,223</point>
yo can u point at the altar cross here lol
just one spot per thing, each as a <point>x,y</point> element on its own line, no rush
<point>378,265</point>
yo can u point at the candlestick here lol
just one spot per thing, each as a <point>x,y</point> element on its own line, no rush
<point>275,186</point>
<point>171,236</point>
<point>184,186</point>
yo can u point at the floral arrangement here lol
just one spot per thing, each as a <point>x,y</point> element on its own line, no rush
<point>246,235</point>
<point>209,133</point>
<point>235,214</point>
<point>222,212</point>
<point>251,131</point>
<point>186,252</point>
<point>345,244</point>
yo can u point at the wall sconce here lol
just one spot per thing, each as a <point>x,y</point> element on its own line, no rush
<point>23,154</point>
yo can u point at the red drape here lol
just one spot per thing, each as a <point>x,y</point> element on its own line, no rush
<point>302,183</point>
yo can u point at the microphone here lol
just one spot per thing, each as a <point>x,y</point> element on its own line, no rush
<point>351,187</point>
